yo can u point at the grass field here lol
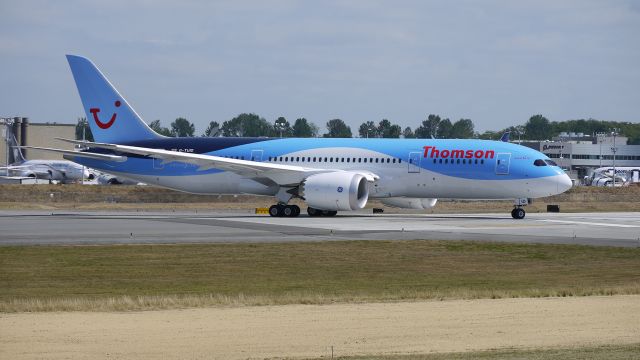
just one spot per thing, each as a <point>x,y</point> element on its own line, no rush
<point>129,277</point>
<point>610,352</point>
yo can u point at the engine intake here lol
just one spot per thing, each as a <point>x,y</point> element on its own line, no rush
<point>336,191</point>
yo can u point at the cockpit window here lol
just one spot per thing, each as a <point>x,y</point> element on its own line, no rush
<point>551,163</point>
<point>539,162</point>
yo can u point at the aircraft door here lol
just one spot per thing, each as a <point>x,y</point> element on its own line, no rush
<point>414,162</point>
<point>256,155</point>
<point>503,160</point>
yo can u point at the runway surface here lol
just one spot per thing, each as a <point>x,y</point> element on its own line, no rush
<point>117,227</point>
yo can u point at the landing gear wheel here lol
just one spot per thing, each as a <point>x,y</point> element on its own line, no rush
<point>329,213</point>
<point>275,210</point>
<point>296,210</point>
<point>313,212</point>
<point>518,213</point>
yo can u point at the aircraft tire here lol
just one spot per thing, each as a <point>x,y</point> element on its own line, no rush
<point>518,213</point>
<point>296,210</point>
<point>275,211</point>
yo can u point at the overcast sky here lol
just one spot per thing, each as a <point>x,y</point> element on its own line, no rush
<point>495,62</point>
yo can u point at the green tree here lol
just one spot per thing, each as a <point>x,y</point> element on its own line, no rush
<point>429,127</point>
<point>462,129</point>
<point>213,130</point>
<point>489,135</point>
<point>302,128</point>
<point>407,133</point>
<point>444,129</point>
<point>388,130</point>
<point>156,126</point>
<point>83,126</point>
<point>538,128</point>
<point>368,130</point>
<point>182,128</point>
<point>282,127</point>
<point>247,125</point>
<point>337,129</point>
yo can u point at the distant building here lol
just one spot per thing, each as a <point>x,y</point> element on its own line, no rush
<point>580,154</point>
<point>36,134</point>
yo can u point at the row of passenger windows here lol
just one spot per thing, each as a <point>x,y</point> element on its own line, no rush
<point>459,161</point>
<point>332,159</point>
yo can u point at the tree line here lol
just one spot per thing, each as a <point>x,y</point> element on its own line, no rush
<point>434,126</point>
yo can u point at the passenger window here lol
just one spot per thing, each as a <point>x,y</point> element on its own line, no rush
<point>394,160</point>
<point>286,159</point>
<point>440,161</point>
<point>342,160</point>
<point>303,159</point>
<point>314,159</point>
<point>365,159</point>
<point>446,161</point>
<point>388,160</point>
<point>359,159</point>
<point>348,159</point>
<point>458,161</point>
<point>370,160</point>
<point>476,161</point>
<point>482,161</point>
<point>331,160</point>
<point>298,158</point>
<point>325,159</point>
<point>434,161</point>
<point>399,161</point>
<point>376,160</point>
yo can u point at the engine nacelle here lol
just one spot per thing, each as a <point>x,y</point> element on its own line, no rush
<point>336,191</point>
<point>410,203</point>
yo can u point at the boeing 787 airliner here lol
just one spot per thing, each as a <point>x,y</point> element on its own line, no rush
<point>329,174</point>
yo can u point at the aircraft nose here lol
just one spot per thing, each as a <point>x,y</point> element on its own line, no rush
<point>564,183</point>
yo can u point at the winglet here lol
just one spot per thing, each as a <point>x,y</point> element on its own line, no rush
<point>505,136</point>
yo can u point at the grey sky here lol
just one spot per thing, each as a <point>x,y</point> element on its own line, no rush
<point>495,62</point>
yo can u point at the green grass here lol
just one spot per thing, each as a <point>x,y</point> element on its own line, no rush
<point>608,352</point>
<point>39,278</point>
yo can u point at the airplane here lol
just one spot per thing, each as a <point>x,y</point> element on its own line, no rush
<point>329,174</point>
<point>63,171</point>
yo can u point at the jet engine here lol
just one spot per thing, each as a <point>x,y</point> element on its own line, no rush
<point>335,191</point>
<point>410,203</point>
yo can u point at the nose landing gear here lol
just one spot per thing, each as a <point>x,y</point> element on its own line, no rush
<point>518,212</point>
<point>281,210</point>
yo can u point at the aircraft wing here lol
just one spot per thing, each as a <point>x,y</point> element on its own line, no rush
<point>278,173</point>
<point>85,154</point>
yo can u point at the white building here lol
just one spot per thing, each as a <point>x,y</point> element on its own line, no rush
<point>579,155</point>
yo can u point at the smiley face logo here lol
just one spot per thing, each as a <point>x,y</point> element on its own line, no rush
<point>103,125</point>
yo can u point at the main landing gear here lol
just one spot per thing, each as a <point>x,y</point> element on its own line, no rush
<point>518,212</point>
<point>316,212</point>
<point>281,210</point>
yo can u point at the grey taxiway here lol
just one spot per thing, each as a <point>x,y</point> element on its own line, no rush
<point>75,227</point>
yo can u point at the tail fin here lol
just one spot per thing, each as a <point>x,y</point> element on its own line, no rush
<point>15,154</point>
<point>111,118</point>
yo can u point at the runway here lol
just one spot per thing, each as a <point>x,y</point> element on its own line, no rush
<point>116,227</point>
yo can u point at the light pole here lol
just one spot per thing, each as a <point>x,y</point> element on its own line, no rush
<point>614,149</point>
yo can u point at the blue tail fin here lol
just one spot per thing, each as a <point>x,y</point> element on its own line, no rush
<point>111,118</point>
